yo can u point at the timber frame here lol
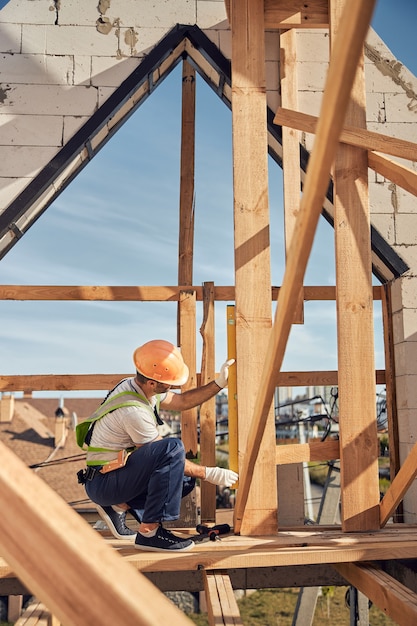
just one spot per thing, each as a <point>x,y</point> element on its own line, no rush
<point>54,545</point>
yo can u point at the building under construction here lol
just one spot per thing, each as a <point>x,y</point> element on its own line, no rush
<point>313,87</point>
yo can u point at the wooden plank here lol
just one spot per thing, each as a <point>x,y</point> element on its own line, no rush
<point>336,95</point>
<point>252,249</point>
<point>14,608</point>
<point>328,378</point>
<point>282,14</point>
<point>317,545</point>
<point>391,391</point>
<point>290,547</point>
<point>111,293</point>
<point>186,317</point>
<point>55,544</point>
<point>351,135</point>
<point>291,506</point>
<point>187,343</point>
<point>146,294</point>
<point>399,486</point>
<point>290,481</point>
<point>305,452</point>
<point>32,614</point>
<point>208,409</point>
<point>290,146</point>
<point>104,382</point>
<point>186,209</point>
<point>388,594</point>
<point>232,415</point>
<point>355,331</point>
<point>222,607</point>
<point>395,172</point>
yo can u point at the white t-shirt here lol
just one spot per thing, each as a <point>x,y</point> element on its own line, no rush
<point>127,426</point>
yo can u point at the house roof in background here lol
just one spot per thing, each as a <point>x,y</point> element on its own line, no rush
<point>31,436</point>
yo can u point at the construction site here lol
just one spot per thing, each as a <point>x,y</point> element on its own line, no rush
<point>312,87</point>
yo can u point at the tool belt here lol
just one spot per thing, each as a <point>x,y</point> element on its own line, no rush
<point>87,474</point>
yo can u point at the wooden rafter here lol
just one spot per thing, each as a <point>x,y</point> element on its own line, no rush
<point>368,140</point>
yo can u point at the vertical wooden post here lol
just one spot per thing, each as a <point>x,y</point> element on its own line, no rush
<point>208,409</point>
<point>232,414</point>
<point>187,301</point>
<point>354,302</point>
<point>252,250</point>
<point>291,506</point>
<point>290,146</point>
<point>391,397</point>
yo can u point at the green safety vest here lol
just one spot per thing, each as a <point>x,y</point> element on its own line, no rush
<point>119,400</point>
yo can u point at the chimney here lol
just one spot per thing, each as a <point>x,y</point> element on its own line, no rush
<point>6,407</point>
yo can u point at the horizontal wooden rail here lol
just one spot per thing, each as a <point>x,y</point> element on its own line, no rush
<point>145,294</point>
<point>84,382</point>
<point>305,452</point>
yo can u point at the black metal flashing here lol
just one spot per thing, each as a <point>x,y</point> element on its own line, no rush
<point>144,72</point>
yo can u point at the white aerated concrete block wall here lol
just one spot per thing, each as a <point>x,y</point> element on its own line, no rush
<point>59,61</point>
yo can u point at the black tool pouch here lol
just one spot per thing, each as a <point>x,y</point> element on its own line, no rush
<point>81,477</point>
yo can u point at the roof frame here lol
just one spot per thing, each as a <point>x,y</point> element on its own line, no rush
<point>182,42</point>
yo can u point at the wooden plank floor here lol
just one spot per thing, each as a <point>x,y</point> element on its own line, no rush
<point>305,546</point>
<point>35,614</point>
<point>309,545</point>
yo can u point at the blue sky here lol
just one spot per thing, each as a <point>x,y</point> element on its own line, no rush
<point>117,224</point>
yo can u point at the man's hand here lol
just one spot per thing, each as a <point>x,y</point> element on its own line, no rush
<point>221,380</point>
<point>221,476</point>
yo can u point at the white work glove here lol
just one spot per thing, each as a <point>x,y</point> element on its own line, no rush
<point>221,476</point>
<point>221,380</point>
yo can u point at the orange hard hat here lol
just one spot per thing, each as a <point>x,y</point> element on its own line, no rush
<point>160,360</point>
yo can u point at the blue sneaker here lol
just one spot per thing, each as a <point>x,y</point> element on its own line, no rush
<point>116,522</point>
<point>163,541</point>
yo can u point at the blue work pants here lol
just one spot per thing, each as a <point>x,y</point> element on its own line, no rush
<point>152,482</point>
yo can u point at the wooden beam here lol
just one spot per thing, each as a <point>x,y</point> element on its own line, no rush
<point>371,141</point>
<point>146,294</point>
<point>359,447</point>
<point>222,607</point>
<point>397,173</point>
<point>104,382</point>
<point>252,249</point>
<point>302,546</point>
<point>186,316</point>
<point>391,390</point>
<point>208,409</point>
<point>388,594</point>
<point>48,545</point>
<point>336,95</point>
<point>290,146</point>
<point>187,343</point>
<point>306,452</point>
<point>399,486</point>
<point>282,14</point>
<point>351,135</point>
